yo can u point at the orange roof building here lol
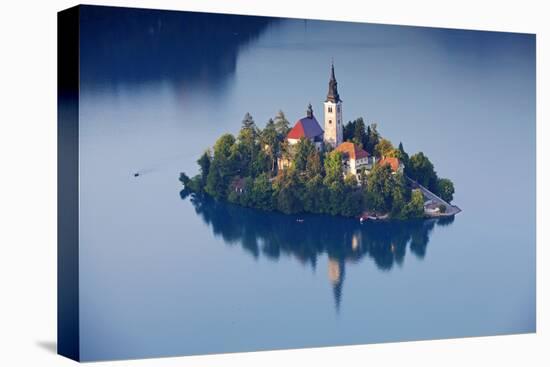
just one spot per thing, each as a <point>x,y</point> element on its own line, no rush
<point>355,158</point>
<point>352,150</point>
<point>393,162</point>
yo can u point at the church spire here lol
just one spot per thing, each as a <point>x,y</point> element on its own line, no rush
<point>309,111</point>
<point>333,95</point>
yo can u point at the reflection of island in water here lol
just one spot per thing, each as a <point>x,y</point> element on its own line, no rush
<point>344,241</point>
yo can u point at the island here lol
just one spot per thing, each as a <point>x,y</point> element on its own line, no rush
<point>346,169</point>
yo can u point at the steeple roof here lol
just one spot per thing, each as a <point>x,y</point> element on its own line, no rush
<point>333,95</point>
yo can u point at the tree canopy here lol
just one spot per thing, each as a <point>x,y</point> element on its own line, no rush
<point>384,148</point>
<point>422,171</point>
<point>445,189</point>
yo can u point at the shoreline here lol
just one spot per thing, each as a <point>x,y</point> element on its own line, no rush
<point>300,217</point>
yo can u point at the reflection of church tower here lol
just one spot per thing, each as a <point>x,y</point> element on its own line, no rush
<point>336,275</point>
<point>334,130</point>
<point>356,240</point>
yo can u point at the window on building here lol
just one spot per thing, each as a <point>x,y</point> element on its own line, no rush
<point>338,109</point>
<point>330,109</point>
<point>330,121</point>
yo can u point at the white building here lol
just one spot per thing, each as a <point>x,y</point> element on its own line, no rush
<point>355,158</point>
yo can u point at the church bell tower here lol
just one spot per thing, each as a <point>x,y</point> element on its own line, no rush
<point>334,130</point>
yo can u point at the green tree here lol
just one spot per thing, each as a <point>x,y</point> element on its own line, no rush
<point>352,205</point>
<point>348,130</point>
<point>223,146</point>
<point>247,147</point>
<point>422,171</point>
<point>248,122</point>
<point>281,124</point>
<point>351,202</point>
<point>336,197</point>
<point>204,163</point>
<point>215,183</point>
<point>355,132</point>
<point>261,163</point>
<point>184,179</point>
<point>368,198</point>
<point>270,142</point>
<point>191,185</point>
<point>400,194</point>
<point>288,192</point>
<point>313,194</point>
<point>302,150</point>
<point>249,133</point>
<point>246,197</point>
<point>221,169</point>
<point>239,159</point>
<point>314,166</point>
<point>402,156</point>
<point>445,189</point>
<point>359,133</point>
<point>195,184</point>
<point>383,148</point>
<point>363,176</point>
<point>262,192</point>
<point>373,138</point>
<point>381,185</point>
<point>351,181</point>
<point>415,207</point>
<point>333,168</point>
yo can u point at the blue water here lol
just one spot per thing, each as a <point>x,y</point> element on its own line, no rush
<point>165,275</point>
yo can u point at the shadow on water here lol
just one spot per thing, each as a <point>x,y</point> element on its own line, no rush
<point>135,46</point>
<point>273,235</point>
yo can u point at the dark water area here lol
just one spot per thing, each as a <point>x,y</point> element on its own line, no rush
<point>143,45</point>
<point>163,274</point>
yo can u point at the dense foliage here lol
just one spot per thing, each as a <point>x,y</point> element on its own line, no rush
<point>244,170</point>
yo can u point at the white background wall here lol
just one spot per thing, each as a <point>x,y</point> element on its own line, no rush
<point>28,181</point>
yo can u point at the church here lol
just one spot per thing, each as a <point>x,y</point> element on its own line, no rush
<point>355,158</point>
<point>308,127</point>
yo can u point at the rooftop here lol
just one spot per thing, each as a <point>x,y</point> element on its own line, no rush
<point>332,94</point>
<point>306,127</point>
<point>351,150</point>
<point>393,162</point>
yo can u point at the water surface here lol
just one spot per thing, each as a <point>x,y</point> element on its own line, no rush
<point>166,275</point>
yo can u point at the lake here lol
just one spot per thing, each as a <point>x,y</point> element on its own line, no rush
<point>163,274</point>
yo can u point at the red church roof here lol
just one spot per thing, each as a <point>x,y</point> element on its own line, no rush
<point>352,150</point>
<point>306,127</point>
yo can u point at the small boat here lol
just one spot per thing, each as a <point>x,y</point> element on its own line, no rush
<point>299,220</point>
<point>136,174</point>
<point>374,217</point>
